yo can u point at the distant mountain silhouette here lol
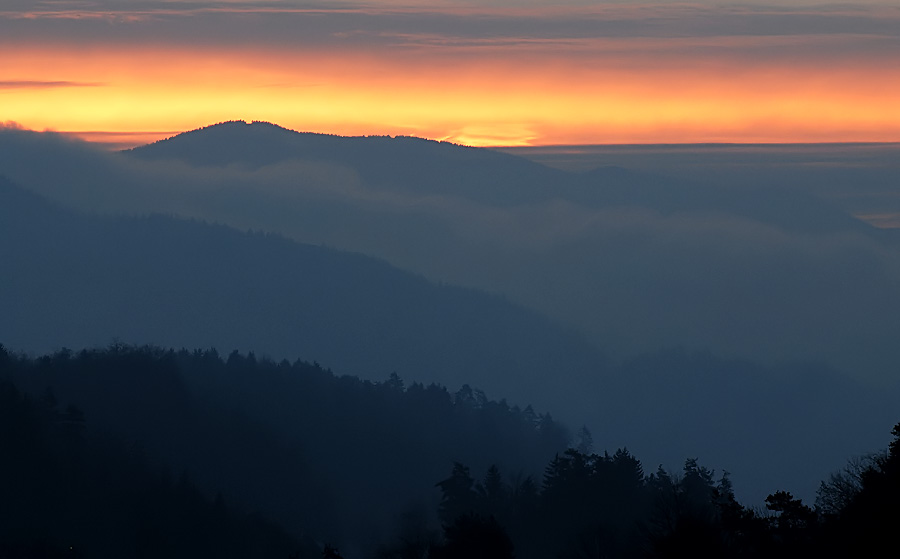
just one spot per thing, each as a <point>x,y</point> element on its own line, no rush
<point>634,260</point>
<point>423,166</point>
<point>486,176</point>
<point>766,277</point>
<point>74,280</point>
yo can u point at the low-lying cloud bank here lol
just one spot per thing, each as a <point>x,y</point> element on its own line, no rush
<point>638,262</point>
<point>635,261</point>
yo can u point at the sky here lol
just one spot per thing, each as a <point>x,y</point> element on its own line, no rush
<point>495,73</point>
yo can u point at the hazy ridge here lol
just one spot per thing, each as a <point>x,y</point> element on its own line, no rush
<point>665,251</point>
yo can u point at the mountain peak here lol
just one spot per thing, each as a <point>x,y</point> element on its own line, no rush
<point>242,131</point>
<point>426,167</point>
<point>234,130</point>
<point>255,144</point>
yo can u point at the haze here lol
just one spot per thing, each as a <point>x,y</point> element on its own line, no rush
<point>627,272</point>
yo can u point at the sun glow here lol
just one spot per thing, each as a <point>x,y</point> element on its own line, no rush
<point>496,99</point>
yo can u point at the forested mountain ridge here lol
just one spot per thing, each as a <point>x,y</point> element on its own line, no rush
<point>606,505</point>
<point>334,458</point>
<point>633,261</point>
<point>344,463</point>
<point>77,280</point>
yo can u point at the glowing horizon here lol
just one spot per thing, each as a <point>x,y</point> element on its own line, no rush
<point>504,76</point>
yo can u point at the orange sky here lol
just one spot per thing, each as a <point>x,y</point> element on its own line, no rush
<point>531,91</point>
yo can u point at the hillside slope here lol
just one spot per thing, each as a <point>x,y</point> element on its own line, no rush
<point>75,280</point>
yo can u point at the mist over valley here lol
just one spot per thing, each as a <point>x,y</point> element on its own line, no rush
<point>745,316</point>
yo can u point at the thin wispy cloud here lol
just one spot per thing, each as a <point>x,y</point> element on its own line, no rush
<point>636,71</point>
<point>44,84</point>
<point>572,21</point>
<point>384,25</point>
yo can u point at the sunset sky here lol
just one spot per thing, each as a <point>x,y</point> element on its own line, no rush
<point>502,72</point>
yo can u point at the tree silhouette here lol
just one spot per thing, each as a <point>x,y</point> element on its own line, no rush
<point>473,537</point>
<point>330,552</point>
<point>458,494</point>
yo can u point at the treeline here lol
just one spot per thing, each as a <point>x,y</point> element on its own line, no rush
<point>334,458</point>
<point>591,505</point>
<point>146,452</point>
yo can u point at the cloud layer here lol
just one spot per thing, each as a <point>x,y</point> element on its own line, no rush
<point>638,262</point>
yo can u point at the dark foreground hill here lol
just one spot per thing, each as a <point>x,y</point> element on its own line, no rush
<point>157,434</point>
<point>78,281</point>
<point>167,451</point>
<point>69,492</point>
